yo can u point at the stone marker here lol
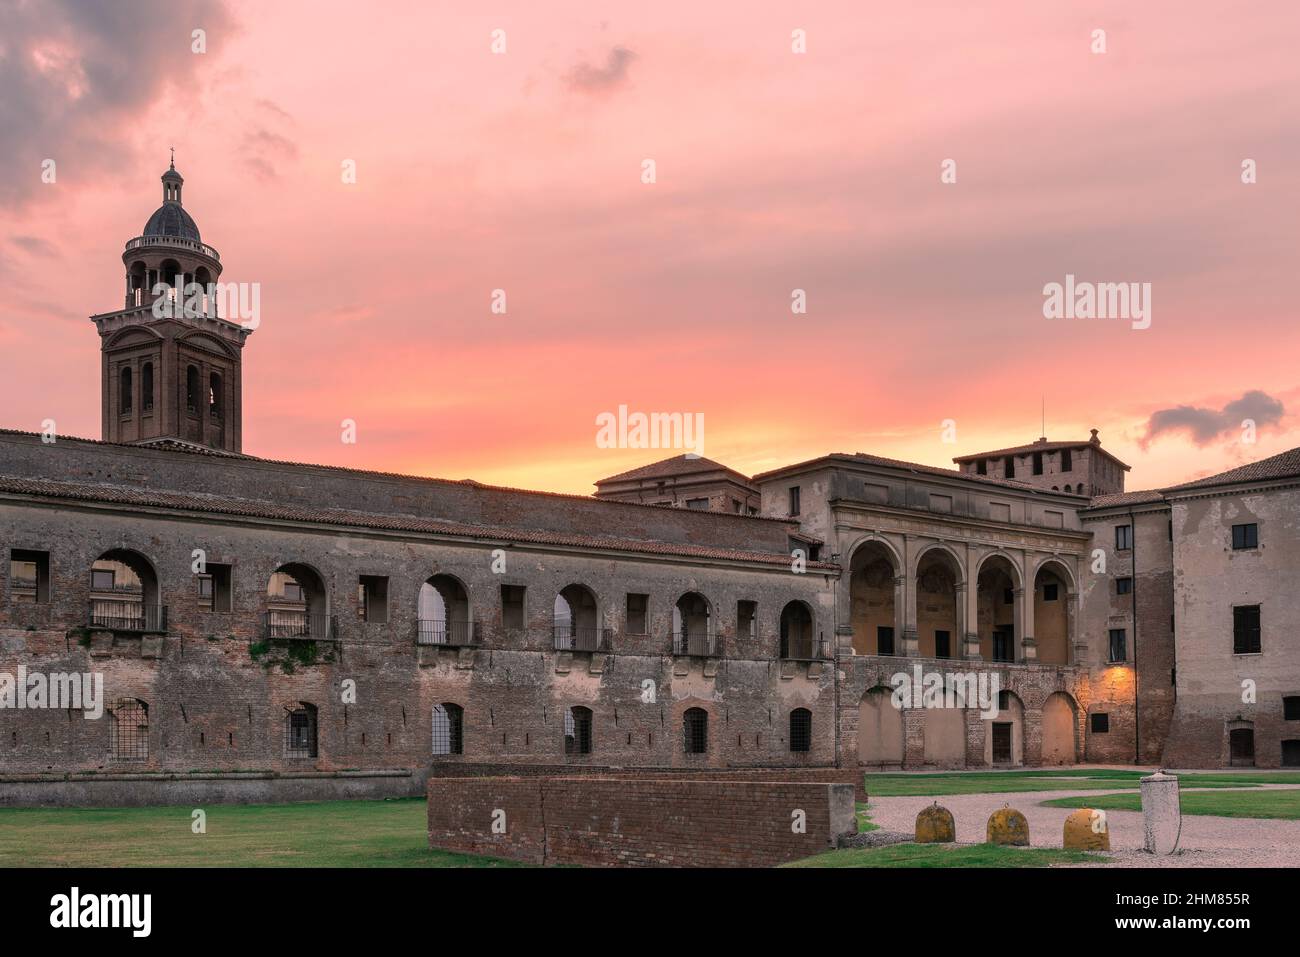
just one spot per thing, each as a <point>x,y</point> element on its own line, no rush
<point>934,825</point>
<point>1008,826</point>
<point>1086,830</point>
<point>1162,816</point>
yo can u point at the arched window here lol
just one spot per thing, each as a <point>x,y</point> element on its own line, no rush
<point>577,730</point>
<point>146,387</point>
<point>300,731</point>
<point>129,730</point>
<point>1068,490</point>
<point>214,396</point>
<point>695,731</point>
<point>576,619</point>
<point>693,631</point>
<point>124,392</point>
<point>800,730</point>
<point>192,389</point>
<point>797,632</point>
<point>448,722</point>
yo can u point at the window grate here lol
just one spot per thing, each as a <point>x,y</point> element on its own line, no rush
<point>129,731</point>
<point>300,732</point>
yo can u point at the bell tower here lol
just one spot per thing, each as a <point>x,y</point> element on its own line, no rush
<point>171,364</point>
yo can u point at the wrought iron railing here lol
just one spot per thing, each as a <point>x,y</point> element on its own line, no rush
<point>804,648</point>
<point>439,631</point>
<point>696,644</point>
<point>127,616</point>
<point>298,624</point>
<point>571,637</point>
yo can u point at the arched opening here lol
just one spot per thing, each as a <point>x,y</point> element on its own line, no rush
<point>448,728</point>
<point>128,730</point>
<point>996,604</point>
<point>797,639</point>
<point>1052,615</point>
<point>880,729</point>
<point>800,730</point>
<point>215,403</point>
<point>576,623</point>
<point>297,604</point>
<point>124,391</point>
<point>1004,739</point>
<point>872,572</point>
<point>300,730</point>
<point>146,387</point>
<point>577,730</point>
<point>168,271</point>
<point>693,632</point>
<point>444,616</point>
<point>938,611</point>
<point>124,593</point>
<point>1059,723</point>
<point>695,731</point>
<point>1241,747</point>
<point>945,737</point>
<point>192,390</point>
<point>203,278</point>
<point>136,284</point>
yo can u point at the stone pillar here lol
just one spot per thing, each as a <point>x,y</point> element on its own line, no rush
<point>900,614</point>
<point>1024,624</point>
<point>1033,737</point>
<point>971,618</point>
<point>1161,813</point>
<point>913,737</point>
<point>1076,646</point>
<point>976,729</point>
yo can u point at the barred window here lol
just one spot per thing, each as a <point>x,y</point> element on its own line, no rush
<point>448,721</point>
<point>800,730</point>
<point>577,731</point>
<point>1245,630</point>
<point>300,731</point>
<point>695,729</point>
<point>129,731</point>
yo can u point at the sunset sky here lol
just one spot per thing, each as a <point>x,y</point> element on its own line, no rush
<point>776,171</point>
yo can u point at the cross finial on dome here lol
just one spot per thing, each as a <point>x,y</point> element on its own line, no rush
<point>173,149</point>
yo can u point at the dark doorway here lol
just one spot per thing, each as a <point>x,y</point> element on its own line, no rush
<point>1241,747</point>
<point>1291,754</point>
<point>1001,742</point>
<point>1004,643</point>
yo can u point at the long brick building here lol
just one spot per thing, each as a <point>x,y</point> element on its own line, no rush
<point>275,629</point>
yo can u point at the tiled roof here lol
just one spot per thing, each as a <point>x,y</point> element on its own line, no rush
<point>867,459</point>
<point>254,508</point>
<point>1126,498</point>
<point>685,464</point>
<point>1281,466</point>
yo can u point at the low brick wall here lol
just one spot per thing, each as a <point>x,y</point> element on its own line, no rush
<point>638,821</point>
<point>852,776</point>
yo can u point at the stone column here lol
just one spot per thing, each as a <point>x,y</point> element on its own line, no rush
<point>971,619</point>
<point>1076,647</point>
<point>1025,624</point>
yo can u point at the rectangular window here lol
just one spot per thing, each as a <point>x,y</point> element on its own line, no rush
<point>942,644</point>
<point>1123,586</point>
<point>512,607</point>
<point>373,594</point>
<point>102,579</point>
<point>736,506</point>
<point>794,500</point>
<point>1245,536</point>
<point>1118,645</point>
<point>292,591</point>
<point>1291,708</point>
<point>982,467</point>
<point>29,577</point>
<point>1245,630</point>
<point>1123,537</point>
<point>214,588</point>
<point>1049,592</point>
<point>697,503</point>
<point>884,640</point>
<point>1038,463</point>
<point>1067,460</point>
<point>1100,722</point>
<point>1009,466</point>
<point>746,619</point>
<point>1004,643</point>
<point>638,614</point>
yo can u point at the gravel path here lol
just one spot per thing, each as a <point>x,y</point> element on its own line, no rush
<point>1206,841</point>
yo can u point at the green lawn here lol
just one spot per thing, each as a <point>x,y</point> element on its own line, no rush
<point>326,834</point>
<point>1270,804</point>
<point>946,855</point>
<point>1001,782</point>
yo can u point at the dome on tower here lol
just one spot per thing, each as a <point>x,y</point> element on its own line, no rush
<point>170,219</point>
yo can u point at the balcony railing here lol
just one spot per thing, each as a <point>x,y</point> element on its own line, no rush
<point>570,637</point>
<point>697,645</point>
<point>127,616</point>
<point>804,649</point>
<point>191,244</point>
<point>438,631</point>
<point>298,624</point>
